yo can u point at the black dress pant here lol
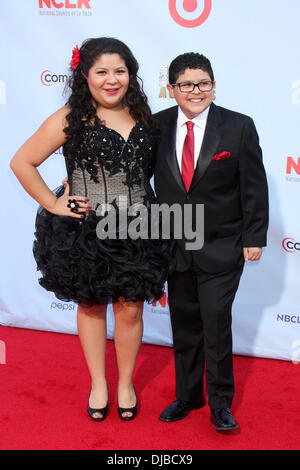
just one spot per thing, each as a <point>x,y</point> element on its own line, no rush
<point>200,311</point>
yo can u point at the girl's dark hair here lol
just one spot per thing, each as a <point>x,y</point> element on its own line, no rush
<point>189,60</point>
<point>80,100</point>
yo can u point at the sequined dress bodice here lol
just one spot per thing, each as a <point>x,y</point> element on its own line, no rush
<point>102,166</point>
<point>80,262</point>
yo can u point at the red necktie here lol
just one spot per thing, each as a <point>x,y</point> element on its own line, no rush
<point>187,163</point>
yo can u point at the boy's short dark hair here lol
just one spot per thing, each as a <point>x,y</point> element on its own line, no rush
<point>189,60</point>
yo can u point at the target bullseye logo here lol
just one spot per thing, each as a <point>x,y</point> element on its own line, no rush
<point>178,8</point>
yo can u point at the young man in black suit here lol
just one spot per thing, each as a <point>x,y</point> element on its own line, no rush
<point>208,155</point>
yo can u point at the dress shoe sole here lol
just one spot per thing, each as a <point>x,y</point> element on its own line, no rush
<point>171,420</point>
<point>225,428</point>
<point>184,415</point>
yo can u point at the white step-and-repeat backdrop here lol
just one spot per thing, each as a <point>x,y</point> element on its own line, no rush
<point>254,49</point>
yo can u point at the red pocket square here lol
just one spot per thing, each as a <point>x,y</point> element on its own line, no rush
<point>222,156</point>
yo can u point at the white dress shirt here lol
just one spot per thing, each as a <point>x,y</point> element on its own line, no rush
<point>181,131</point>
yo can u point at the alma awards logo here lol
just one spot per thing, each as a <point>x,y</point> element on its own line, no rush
<point>190,13</point>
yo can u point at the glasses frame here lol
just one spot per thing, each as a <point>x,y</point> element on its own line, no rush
<point>194,85</point>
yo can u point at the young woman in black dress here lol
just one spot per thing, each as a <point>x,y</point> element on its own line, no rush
<point>108,143</point>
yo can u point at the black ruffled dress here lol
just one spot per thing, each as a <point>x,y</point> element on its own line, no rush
<point>77,262</point>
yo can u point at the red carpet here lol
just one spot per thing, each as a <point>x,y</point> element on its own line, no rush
<point>44,387</point>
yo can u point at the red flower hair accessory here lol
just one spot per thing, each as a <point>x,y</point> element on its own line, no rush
<point>75,58</point>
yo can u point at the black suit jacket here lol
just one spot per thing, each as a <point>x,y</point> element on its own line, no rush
<point>234,190</point>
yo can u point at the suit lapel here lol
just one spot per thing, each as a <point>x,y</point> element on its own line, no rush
<point>211,140</point>
<point>169,146</point>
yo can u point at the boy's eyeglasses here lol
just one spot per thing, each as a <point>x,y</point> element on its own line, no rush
<point>188,87</point>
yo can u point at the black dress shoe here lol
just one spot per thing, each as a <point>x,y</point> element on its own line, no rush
<point>223,419</point>
<point>179,409</point>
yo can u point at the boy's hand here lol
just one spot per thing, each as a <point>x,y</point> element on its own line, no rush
<point>252,254</point>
